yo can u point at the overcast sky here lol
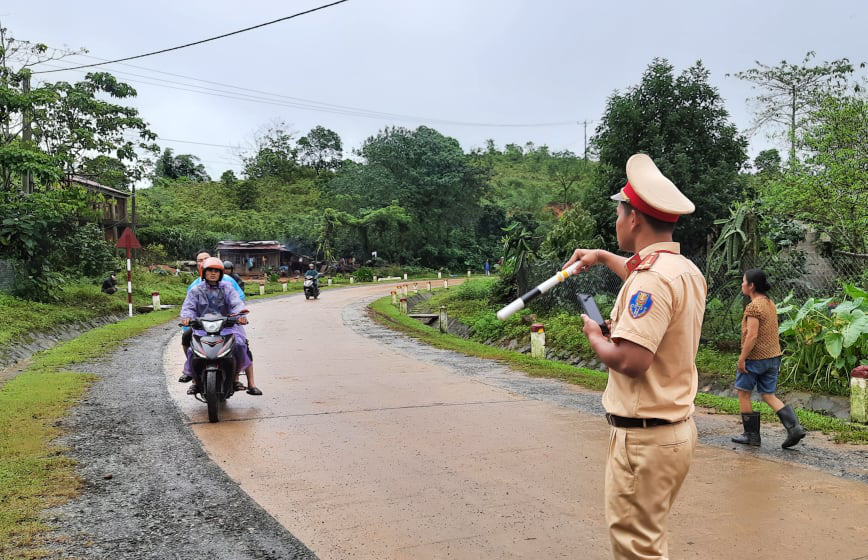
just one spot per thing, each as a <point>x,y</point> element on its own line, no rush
<point>465,61</point>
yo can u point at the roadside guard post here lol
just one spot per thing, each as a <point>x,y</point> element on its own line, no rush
<point>859,394</point>
<point>394,297</point>
<point>537,341</point>
<point>155,296</point>
<point>129,242</point>
<point>404,305</point>
<point>262,287</point>
<point>444,319</point>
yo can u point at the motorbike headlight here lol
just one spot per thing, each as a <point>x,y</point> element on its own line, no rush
<point>211,327</point>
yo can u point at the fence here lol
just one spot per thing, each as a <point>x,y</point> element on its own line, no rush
<point>724,305</point>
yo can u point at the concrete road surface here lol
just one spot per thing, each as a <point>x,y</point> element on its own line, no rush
<point>368,445</point>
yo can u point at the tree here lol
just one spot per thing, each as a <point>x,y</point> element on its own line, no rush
<point>81,122</point>
<point>768,163</point>
<point>576,228</point>
<point>432,179</point>
<point>829,189</point>
<point>792,92</point>
<point>320,149</point>
<point>566,170</point>
<point>274,154</point>
<point>20,155</point>
<point>382,221</point>
<point>518,250</point>
<point>682,124</point>
<point>181,166</point>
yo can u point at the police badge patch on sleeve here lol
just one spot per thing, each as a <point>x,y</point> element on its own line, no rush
<point>640,304</point>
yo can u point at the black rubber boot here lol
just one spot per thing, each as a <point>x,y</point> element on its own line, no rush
<point>795,431</point>
<point>751,435</point>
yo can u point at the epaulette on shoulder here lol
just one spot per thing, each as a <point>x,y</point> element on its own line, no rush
<point>648,262</point>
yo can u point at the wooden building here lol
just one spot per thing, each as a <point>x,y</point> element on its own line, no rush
<point>261,257</point>
<point>111,205</point>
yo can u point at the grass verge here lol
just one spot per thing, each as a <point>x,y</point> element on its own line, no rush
<point>388,315</point>
<point>34,473</point>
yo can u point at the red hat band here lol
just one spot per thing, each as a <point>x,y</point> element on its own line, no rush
<point>640,205</point>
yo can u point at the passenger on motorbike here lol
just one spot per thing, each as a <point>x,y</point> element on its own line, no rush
<point>188,333</point>
<point>230,273</point>
<point>213,296</point>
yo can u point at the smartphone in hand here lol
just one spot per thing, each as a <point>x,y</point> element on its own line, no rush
<point>592,311</point>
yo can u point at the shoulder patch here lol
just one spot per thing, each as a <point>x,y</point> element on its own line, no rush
<point>640,304</point>
<point>648,261</point>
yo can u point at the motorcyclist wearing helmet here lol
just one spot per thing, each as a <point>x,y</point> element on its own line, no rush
<point>213,296</point>
<point>229,267</point>
<point>201,257</point>
<point>311,272</point>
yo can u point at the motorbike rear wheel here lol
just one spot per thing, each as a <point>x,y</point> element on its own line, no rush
<point>211,396</point>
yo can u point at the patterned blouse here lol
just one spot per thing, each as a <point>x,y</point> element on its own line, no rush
<point>767,343</point>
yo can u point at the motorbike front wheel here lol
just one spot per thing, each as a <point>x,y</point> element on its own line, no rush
<point>211,396</point>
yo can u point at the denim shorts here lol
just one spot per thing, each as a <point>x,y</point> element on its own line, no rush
<point>762,374</point>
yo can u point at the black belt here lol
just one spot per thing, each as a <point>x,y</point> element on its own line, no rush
<point>623,422</point>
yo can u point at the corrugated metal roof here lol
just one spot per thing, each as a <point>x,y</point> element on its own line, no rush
<point>262,245</point>
<point>93,185</point>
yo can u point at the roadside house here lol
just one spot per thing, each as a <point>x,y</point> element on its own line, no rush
<point>111,206</point>
<point>261,257</point>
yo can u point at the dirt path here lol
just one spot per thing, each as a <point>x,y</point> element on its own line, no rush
<point>370,445</point>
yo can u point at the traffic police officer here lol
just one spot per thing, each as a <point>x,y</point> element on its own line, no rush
<point>651,352</point>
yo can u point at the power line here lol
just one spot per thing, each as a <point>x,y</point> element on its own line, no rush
<point>204,40</point>
<point>310,105</point>
<point>161,139</point>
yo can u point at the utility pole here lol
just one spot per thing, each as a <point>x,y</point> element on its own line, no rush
<point>585,123</point>
<point>26,182</point>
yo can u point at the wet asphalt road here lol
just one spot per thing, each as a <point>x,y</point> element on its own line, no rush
<point>166,498</point>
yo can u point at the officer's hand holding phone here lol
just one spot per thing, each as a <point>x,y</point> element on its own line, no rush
<point>593,312</point>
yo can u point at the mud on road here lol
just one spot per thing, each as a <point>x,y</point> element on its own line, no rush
<point>149,490</point>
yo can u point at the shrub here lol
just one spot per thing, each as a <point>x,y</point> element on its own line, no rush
<point>824,339</point>
<point>364,274</point>
<point>474,289</point>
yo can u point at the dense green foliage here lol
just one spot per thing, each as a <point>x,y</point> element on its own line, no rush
<point>825,339</point>
<point>681,122</point>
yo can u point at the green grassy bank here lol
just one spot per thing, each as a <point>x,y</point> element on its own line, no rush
<point>34,473</point>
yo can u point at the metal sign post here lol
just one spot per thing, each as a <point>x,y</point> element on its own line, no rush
<point>129,242</point>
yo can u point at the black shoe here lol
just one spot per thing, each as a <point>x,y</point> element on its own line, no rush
<point>254,391</point>
<point>193,389</point>
<point>185,378</point>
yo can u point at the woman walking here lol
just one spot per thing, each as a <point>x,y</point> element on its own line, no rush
<point>760,361</point>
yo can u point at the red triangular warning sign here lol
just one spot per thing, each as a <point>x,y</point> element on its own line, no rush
<point>128,240</point>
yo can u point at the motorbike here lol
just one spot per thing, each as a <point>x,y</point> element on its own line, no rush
<point>213,360</point>
<point>311,287</point>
